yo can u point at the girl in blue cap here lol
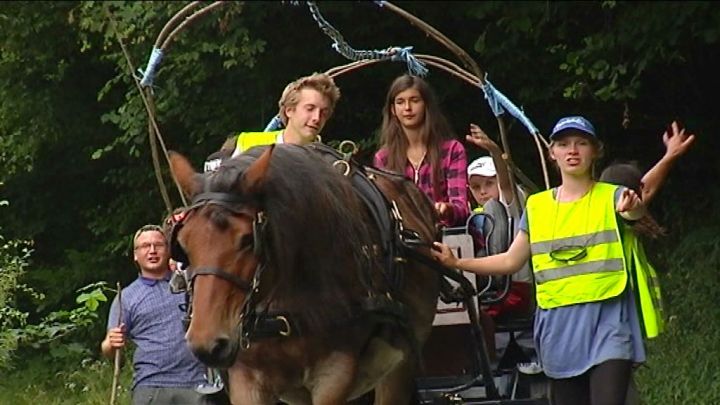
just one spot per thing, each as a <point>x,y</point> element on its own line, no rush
<point>587,330</point>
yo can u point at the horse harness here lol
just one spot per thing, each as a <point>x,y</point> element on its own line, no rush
<point>396,244</point>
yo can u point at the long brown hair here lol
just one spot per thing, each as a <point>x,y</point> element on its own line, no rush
<point>629,175</point>
<point>435,128</point>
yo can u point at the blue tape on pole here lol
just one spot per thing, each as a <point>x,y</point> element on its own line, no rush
<point>499,103</point>
<point>152,66</point>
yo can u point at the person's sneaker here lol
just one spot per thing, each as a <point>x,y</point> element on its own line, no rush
<point>529,368</point>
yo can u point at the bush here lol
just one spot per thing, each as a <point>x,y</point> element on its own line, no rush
<point>14,257</point>
<point>54,331</point>
<point>681,366</point>
<point>72,381</point>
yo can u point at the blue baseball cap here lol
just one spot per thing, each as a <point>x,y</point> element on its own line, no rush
<point>573,122</point>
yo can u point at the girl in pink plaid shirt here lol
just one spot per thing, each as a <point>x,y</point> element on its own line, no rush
<point>415,139</point>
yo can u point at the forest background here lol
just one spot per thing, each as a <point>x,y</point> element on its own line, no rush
<point>77,177</point>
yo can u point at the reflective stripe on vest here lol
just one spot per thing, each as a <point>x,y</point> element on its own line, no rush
<point>647,287</point>
<point>588,226</point>
<point>579,269</point>
<point>247,140</point>
<point>600,237</point>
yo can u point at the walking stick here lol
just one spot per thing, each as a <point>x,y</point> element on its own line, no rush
<point>116,371</point>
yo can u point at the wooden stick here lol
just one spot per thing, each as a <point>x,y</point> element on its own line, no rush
<point>118,351</point>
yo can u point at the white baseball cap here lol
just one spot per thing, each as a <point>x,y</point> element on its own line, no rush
<point>482,166</point>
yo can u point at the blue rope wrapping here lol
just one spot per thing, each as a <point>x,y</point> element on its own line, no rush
<point>499,103</point>
<point>415,67</point>
<point>274,124</point>
<point>152,66</point>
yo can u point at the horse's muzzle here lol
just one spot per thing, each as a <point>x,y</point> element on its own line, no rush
<point>218,353</point>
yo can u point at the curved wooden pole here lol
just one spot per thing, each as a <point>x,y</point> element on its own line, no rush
<point>179,15</point>
<point>152,124</point>
<point>476,78</point>
<point>189,20</point>
<point>439,36</point>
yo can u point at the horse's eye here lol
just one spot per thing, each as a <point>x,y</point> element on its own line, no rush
<point>245,241</point>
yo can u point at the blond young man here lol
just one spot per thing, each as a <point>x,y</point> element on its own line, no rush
<point>305,106</point>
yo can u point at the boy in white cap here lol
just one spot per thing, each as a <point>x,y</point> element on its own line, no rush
<point>488,179</point>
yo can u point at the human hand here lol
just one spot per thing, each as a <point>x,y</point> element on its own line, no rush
<point>444,210</point>
<point>479,138</point>
<point>116,337</point>
<point>629,201</point>
<point>676,141</point>
<point>442,253</point>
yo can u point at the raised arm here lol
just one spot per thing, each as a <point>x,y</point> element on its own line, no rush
<point>504,263</point>
<point>479,138</point>
<point>677,142</point>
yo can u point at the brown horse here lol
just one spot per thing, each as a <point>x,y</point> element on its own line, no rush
<point>283,263</point>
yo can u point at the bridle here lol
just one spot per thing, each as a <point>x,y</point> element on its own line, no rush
<point>237,205</point>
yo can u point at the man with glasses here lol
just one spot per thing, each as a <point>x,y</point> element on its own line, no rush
<point>165,371</point>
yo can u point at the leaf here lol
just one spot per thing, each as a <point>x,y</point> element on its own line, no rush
<point>82,298</point>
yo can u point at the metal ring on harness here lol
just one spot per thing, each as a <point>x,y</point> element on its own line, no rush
<point>353,148</point>
<point>346,171</point>
<point>288,329</point>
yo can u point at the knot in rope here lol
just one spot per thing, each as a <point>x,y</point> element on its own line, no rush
<point>148,76</point>
<point>415,67</point>
<point>499,103</point>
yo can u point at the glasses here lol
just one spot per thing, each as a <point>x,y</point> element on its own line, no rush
<point>571,253</point>
<point>147,246</point>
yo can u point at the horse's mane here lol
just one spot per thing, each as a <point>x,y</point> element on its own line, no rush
<point>315,235</point>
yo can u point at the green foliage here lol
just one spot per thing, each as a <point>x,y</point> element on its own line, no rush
<point>16,331</point>
<point>72,381</point>
<point>597,51</point>
<point>13,262</point>
<point>682,365</point>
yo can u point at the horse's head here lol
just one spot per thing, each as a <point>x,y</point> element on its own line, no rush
<point>218,235</point>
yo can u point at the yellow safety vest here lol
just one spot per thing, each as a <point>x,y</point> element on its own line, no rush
<point>646,285</point>
<point>597,271</point>
<point>247,140</point>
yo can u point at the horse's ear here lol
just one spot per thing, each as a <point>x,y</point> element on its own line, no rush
<point>189,180</point>
<point>255,175</point>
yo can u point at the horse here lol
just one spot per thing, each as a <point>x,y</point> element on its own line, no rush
<point>289,284</point>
